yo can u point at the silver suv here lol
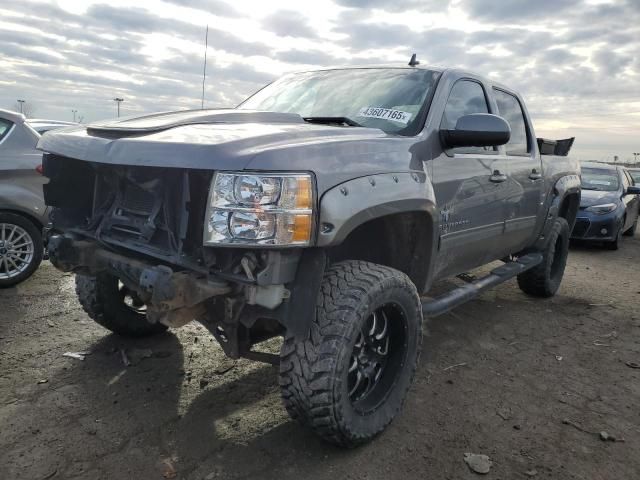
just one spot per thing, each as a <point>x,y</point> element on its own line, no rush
<point>22,209</point>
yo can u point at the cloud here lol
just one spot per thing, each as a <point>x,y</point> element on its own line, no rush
<point>398,5</point>
<point>215,7</point>
<point>519,10</point>
<point>307,57</point>
<point>573,60</point>
<point>289,23</point>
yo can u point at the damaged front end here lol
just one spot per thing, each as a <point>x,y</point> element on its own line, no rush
<point>145,226</point>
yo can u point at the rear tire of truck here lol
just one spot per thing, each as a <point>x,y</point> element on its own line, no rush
<point>111,305</point>
<point>349,378</point>
<point>21,249</point>
<point>544,279</point>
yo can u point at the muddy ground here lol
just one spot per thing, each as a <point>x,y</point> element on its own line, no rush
<point>530,383</point>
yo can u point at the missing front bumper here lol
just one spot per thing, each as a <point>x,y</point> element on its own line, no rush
<point>172,298</point>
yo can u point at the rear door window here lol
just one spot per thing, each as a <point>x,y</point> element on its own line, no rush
<point>510,109</point>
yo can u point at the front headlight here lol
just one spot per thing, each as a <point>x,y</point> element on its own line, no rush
<point>254,209</point>
<point>601,209</point>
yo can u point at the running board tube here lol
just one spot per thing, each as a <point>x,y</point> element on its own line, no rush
<point>460,295</point>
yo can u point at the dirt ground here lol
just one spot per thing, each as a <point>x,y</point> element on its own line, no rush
<point>530,383</point>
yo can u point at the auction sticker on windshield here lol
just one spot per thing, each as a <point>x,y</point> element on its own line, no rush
<point>385,114</point>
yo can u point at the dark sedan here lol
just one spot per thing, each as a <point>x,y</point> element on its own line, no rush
<point>609,205</point>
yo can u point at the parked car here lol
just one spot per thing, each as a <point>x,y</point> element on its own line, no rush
<point>318,210</point>
<point>635,174</point>
<point>22,209</point>
<point>42,126</point>
<point>609,205</point>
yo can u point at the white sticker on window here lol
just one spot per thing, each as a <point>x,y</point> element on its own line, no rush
<point>385,114</point>
<point>599,182</point>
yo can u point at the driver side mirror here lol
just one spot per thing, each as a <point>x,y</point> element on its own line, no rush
<point>633,190</point>
<point>477,130</point>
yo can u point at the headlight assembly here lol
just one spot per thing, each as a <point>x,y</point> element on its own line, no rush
<point>254,209</point>
<point>601,209</point>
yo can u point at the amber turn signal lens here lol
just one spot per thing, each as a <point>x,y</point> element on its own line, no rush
<point>301,229</point>
<point>303,194</point>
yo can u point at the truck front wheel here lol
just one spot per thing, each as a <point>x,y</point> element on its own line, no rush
<point>544,279</point>
<point>110,304</point>
<point>349,377</point>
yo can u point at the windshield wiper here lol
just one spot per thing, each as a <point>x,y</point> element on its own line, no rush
<point>332,120</point>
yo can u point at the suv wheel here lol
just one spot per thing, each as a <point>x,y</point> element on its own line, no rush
<point>109,303</point>
<point>349,378</point>
<point>21,249</point>
<point>544,279</point>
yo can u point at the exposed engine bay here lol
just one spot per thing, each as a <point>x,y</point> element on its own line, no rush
<point>141,225</point>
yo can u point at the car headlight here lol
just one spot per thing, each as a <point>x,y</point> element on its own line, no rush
<point>601,209</point>
<point>255,209</point>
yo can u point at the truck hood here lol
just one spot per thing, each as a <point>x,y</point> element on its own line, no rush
<point>235,140</point>
<point>589,198</point>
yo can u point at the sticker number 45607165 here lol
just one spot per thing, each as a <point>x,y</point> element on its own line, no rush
<point>385,114</point>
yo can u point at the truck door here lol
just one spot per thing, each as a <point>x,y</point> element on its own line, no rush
<point>469,185</point>
<point>524,168</point>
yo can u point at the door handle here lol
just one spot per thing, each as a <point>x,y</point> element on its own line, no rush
<point>497,177</point>
<point>535,175</point>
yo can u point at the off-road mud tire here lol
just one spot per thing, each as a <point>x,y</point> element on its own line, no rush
<point>101,299</point>
<point>544,279</point>
<point>314,372</point>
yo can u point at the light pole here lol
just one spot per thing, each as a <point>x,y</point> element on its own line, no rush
<point>118,100</point>
<point>74,115</point>
<point>20,102</point>
<point>635,157</point>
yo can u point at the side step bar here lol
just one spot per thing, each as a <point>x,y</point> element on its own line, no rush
<point>460,295</point>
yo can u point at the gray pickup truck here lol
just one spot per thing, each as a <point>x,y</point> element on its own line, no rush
<point>319,210</point>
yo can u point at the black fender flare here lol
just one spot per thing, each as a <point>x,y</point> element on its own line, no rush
<point>564,186</point>
<point>355,202</point>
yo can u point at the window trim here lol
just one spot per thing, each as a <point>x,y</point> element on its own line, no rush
<point>530,150</point>
<point>450,152</point>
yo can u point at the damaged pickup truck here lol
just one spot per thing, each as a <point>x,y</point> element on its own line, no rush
<point>319,210</point>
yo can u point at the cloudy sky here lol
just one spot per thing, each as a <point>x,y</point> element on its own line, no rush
<point>577,62</point>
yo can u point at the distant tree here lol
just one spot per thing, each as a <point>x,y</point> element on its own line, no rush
<point>28,109</point>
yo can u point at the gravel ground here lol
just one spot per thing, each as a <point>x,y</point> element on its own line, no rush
<point>530,383</point>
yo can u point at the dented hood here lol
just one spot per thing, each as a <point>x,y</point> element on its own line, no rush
<point>234,140</point>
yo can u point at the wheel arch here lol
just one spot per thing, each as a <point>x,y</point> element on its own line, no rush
<point>21,213</point>
<point>388,219</point>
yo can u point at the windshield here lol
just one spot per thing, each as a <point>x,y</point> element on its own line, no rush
<point>386,98</point>
<point>600,179</point>
<point>635,174</point>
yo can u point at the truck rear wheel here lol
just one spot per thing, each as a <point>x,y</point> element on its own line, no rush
<point>349,378</point>
<point>544,280</point>
<point>113,306</point>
